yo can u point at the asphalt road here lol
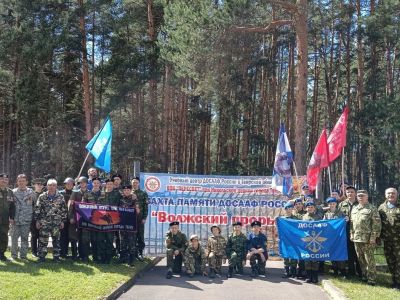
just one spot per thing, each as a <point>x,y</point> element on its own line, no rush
<point>153,285</point>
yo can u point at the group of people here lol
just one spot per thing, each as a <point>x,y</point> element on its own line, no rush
<point>44,211</point>
<point>367,227</point>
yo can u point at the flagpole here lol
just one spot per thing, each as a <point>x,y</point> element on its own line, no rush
<point>83,165</point>
<point>344,191</point>
<point>330,180</point>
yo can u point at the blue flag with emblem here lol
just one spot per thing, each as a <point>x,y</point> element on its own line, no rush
<point>313,240</point>
<point>282,174</point>
<point>100,146</point>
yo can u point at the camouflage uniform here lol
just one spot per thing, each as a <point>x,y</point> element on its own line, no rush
<point>312,265</point>
<point>216,246</point>
<point>7,211</point>
<point>353,265</point>
<point>143,201</point>
<point>104,240</point>
<point>390,235</point>
<point>256,262</point>
<point>128,238</point>
<point>236,250</point>
<point>64,236</point>
<point>337,265</point>
<point>24,204</point>
<point>195,260</point>
<point>365,226</point>
<point>50,212</point>
<point>175,242</point>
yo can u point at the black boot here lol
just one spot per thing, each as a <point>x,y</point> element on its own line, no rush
<point>309,276</point>
<point>287,273</point>
<point>293,272</point>
<point>240,269</point>
<point>343,273</point>
<point>74,250</point>
<point>169,274</point>
<point>254,272</point>
<point>212,273</point>
<point>315,277</point>
<point>131,261</point>
<point>230,272</point>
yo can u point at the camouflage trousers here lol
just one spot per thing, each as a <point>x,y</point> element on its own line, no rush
<point>290,262</point>
<point>174,262</point>
<point>44,234</point>
<point>235,260</point>
<point>17,231</point>
<point>392,254</point>
<point>193,264</point>
<point>128,243</point>
<point>257,263</point>
<point>104,245</point>
<point>3,237</point>
<point>215,261</point>
<point>365,254</point>
<point>311,265</point>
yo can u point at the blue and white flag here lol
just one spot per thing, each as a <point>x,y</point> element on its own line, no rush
<point>312,240</point>
<point>100,147</point>
<point>282,175</point>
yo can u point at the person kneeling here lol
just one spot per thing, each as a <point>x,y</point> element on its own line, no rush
<point>216,251</point>
<point>176,243</point>
<point>195,258</point>
<point>257,246</point>
<point>236,249</point>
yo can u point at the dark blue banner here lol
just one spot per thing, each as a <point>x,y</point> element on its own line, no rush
<point>313,240</point>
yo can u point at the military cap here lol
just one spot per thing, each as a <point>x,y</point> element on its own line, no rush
<point>194,237</point>
<point>298,200</point>
<point>237,223</point>
<point>96,178</point>
<point>255,223</point>
<point>215,226</point>
<point>304,186</point>
<point>331,200</point>
<point>362,192</point>
<point>116,175</point>
<point>69,180</point>
<point>288,205</point>
<point>82,179</point>
<point>136,177</point>
<point>350,187</point>
<point>127,187</point>
<point>173,223</point>
<point>38,180</point>
<point>310,203</point>
<point>3,175</point>
<point>108,180</point>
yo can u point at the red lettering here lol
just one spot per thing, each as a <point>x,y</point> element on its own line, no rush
<point>161,216</point>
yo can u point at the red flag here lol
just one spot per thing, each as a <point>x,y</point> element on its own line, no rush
<point>319,160</point>
<point>337,138</point>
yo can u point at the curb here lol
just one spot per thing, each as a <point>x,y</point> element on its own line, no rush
<point>334,292</point>
<point>128,284</point>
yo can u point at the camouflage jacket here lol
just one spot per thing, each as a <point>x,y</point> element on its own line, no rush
<point>390,218</point>
<point>298,214</point>
<point>176,242</point>
<point>312,217</point>
<point>365,223</point>
<point>50,211</point>
<point>143,201</point>
<point>109,198</point>
<point>127,202</point>
<point>237,243</point>
<point>197,254</point>
<point>24,204</point>
<point>216,244</point>
<point>346,207</point>
<point>7,205</point>
<point>337,214</point>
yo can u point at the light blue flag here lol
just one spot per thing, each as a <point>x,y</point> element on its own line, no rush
<point>312,240</point>
<point>282,175</point>
<point>100,147</point>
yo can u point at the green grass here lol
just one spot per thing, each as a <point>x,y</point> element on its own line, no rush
<point>66,280</point>
<point>355,289</point>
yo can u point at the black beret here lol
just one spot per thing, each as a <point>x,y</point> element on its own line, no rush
<point>38,181</point>
<point>3,175</point>
<point>127,186</point>
<point>96,178</point>
<point>108,180</point>
<point>237,223</point>
<point>136,177</point>
<point>173,223</point>
<point>116,175</point>
<point>256,223</point>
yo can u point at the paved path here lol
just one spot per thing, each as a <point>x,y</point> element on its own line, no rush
<point>153,286</point>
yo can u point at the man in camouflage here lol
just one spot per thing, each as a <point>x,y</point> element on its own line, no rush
<point>176,243</point>
<point>236,249</point>
<point>50,215</point>
<point>389,212</point>
<point>257,247</point>
<point>346,207</point>
<point>64,237</point>
<point>335,213</point>
<point>38,184</point>
<point>7,213</point>
<point>364,231</point>
<point>290,264</point>
<point>195,258</point>
<point>143,201</point>
<point>104,240</point>
<point>128,238</point>
<point>216,254</point>
<point>25,200</point>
